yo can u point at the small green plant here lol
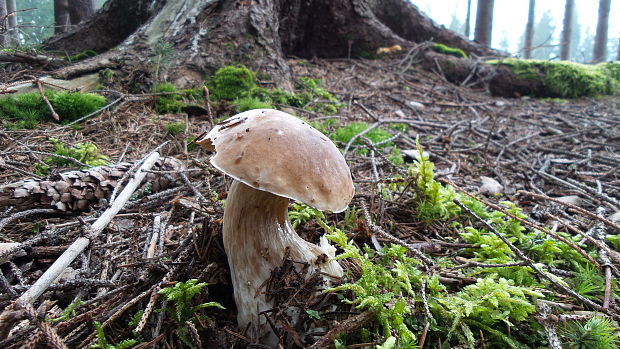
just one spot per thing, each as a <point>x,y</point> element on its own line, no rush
<point>68,312</point>
<point>174,128</point>
<point>87,153</point>
<point>102,341</point>
<point>378,136</point>
<point>180,295</point>
<point>168,103</point>
<point>456,52</point>
<point>302,213</point>
<point>385,285</point>
<point>595,333</point>
<point>163,54</point>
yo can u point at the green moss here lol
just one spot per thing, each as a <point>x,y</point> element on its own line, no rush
<point>231,82</point>
<point>567,79</point>
<point>612,68</point>
<point>82,55</point>
<point>28,109</point>
<point>73,105</point>
<point>447,50</point>
<point>249,103</point>
<point>175,128</point>
<point>87,153</point>
<point>344,134</point>
<point>168,104</point>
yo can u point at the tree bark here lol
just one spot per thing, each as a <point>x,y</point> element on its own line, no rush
<point>11,22</point>
<point>529,30</point>
<point>567,30</point>
<point>484,22</point>
<point>600,41</point>
<point>61,16</point>
<point>3,24</point>
<point>79,10</point>
<point>468,20</point>
<point>208,34</point>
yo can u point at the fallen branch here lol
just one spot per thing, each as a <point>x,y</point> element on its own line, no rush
<point>347,326</point>
<point>81,243</point>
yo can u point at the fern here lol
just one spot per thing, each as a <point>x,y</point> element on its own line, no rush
<point>181,295</point>
<point>302,213</point>
<point>102,341</point>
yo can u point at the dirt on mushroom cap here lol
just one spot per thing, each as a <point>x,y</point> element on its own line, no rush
<point>273,151</point>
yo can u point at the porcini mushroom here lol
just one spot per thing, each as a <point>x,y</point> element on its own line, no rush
<point>273,157</point>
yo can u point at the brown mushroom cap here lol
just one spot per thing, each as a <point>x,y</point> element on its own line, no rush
<point>276,152</point>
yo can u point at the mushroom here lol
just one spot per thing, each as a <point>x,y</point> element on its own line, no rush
<point>273,157</point>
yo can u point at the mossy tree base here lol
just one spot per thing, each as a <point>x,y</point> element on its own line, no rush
<point>206,34</point>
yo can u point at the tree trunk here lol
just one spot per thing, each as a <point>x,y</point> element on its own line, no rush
<point>3,24</point>
<point>484,22</point>
<point>61,16</point>
<point>600,42</point>
<point>618,54</point>
<point>529,30</point>
<point>207,34</point>
<point>567,30</point>
<point>468,20</point>
<point>79,10</point>
<point>11,22</point>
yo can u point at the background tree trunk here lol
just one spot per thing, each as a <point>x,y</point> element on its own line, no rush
<point>566,30</point>
<point>618,54</point>
<point>600,42</point>
<point>468,20</point>
<point>11,22</point>
<point>3,24</point>
<point>484,22</point>
<point>211,33</point>
<point>79,10</point>
<point>61,16</point>
<point>529,30</point>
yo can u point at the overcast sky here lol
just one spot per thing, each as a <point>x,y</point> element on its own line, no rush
<point>510,16</point>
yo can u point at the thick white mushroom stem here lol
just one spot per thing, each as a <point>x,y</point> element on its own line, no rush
<point>256,234</point>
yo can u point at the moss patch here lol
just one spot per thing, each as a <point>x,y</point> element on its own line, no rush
<point>168,104</point>
<point>28,109</point>
<point>237,83</point>
<point>567,79</point>
<point>231,82</point>
<point>447,50</point>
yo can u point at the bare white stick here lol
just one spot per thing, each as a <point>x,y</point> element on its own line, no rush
<point>81,243</point>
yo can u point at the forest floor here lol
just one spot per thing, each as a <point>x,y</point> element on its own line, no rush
<point>537,150</point>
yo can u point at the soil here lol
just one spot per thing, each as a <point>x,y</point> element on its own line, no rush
<point>553,148</point>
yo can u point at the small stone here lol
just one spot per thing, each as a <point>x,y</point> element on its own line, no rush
<point>615,217</point>
<point>20,193</point>
<point>570,199</point>
<point>414,154</point>
<point>415,105</point>
<point>490,186</point>
<point>400,114</point>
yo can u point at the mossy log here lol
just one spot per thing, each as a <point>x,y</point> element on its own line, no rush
<point>79,190</point>
<point>515,77</point>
